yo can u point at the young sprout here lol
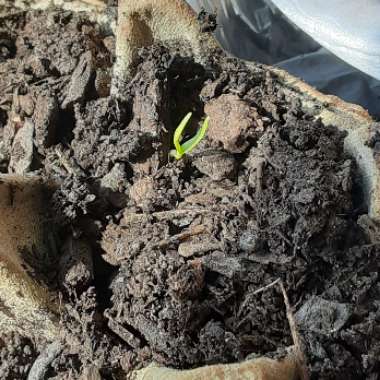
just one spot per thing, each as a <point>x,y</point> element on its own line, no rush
<point>189,145</point>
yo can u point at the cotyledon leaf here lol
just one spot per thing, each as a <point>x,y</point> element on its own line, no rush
<point>189,145</point>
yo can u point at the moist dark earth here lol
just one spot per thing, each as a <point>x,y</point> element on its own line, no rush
<point>164,260</point>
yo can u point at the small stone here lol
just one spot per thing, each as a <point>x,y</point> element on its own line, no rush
<point>232,122</point>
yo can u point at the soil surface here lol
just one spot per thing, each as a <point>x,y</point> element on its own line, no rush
<point>170,261</point>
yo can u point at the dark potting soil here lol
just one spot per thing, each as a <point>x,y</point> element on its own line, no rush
<point>170,261</point>
<point>17,354</point>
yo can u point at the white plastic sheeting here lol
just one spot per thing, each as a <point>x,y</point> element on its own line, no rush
<point>335,46</point>
<point>348,28</point>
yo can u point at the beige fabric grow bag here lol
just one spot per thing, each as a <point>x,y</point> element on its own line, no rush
<point>25,305</point>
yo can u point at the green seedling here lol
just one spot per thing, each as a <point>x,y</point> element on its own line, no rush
<point>189,145</point>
